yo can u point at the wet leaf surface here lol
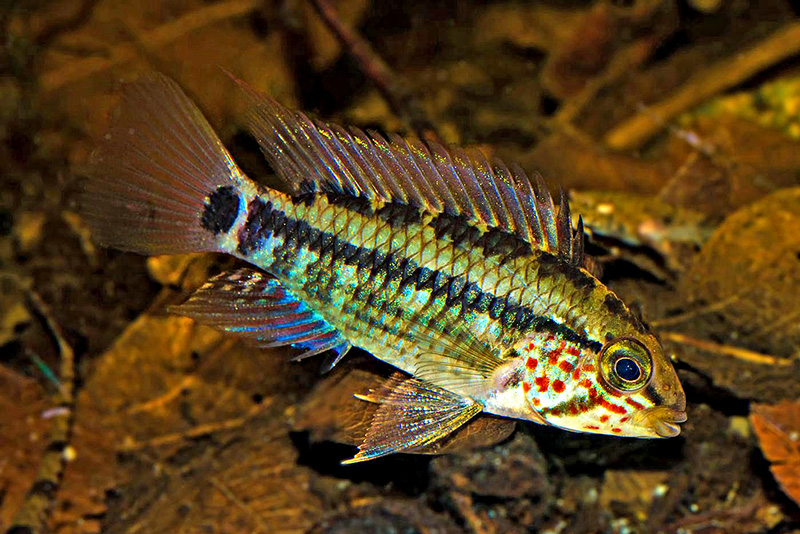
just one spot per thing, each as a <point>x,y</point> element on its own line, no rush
<point>751,264</point>
<point>778,429</point>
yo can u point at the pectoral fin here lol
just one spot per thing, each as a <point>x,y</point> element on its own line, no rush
<point>412,414</point>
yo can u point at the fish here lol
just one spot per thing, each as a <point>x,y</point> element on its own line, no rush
<point>457,270</point>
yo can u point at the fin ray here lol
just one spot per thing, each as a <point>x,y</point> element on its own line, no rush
<point>392,169</point>
<point>411,415</point>
<point>258,308</point>
<point>151,178</point>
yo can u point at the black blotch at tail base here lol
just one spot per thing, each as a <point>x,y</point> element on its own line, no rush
<point>221,210</point>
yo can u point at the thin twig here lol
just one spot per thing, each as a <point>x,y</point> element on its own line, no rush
<point>160,36</point>
<point>723,75</point>
<point>391,85</point>
<point>735,352</point>
<point>691,314</point>
<point>32,516</point>
<point>73,21</point>
<point>196,431</point>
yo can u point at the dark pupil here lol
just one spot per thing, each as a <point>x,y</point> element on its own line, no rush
<point>627,369</point>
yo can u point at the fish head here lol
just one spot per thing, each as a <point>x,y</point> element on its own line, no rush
<point>626,388</point>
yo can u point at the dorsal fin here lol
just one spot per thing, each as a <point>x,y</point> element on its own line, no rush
<point>423,174</point>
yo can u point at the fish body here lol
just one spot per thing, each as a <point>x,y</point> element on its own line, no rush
<point>453,269</point>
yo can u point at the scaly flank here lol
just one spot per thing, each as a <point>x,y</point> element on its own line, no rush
<point>457,270</point>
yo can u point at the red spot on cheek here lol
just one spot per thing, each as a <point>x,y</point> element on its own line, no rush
<point>573,410</point>
<point>554,354</point>
<point>603,418</point>
<point>616,430</point>
<point>623,419</point>
<point>576,374</point>
<point>566,366</point>
<point>558,386</point>
<point>526,387</point>
<point>572,351</point>
<point>532,363</point>
<point>591,427</point>
<point>542,382</point>
<point>633,403</point>
<point>536,402</point>
<point>585,383</point>
<point>588,367</point>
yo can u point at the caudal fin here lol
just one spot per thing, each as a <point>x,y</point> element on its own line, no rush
<point>161,181</point>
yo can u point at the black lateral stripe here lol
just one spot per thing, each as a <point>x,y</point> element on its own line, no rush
<point>360,204</point>
<point>494,242</point>
<point>263,220</point>
<point>257,227</point>
<point>399,214</point>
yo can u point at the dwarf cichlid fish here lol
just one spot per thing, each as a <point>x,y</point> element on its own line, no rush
<point>457,270</point>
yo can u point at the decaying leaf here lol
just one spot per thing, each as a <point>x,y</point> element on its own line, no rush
<point>23,432</point>
<point>515,469</point>
<point>248,482</point>
<point>163,385</point>
<point>752,263</point>
<point>778,430</point>
<point>187,271</point>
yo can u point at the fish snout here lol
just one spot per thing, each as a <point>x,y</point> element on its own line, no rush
<point>665,420</point>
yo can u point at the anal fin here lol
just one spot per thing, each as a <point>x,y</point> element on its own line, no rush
<point>412,414</point>
<point>258,308</point>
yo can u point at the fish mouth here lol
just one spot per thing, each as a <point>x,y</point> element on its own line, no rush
<point>664,421</point>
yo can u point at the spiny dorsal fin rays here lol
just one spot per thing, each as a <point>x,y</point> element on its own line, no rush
<point>564,227</point>
<point>425,175</point>
<point>578,242</point>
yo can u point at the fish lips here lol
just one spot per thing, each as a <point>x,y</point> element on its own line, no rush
<point>664,421</point>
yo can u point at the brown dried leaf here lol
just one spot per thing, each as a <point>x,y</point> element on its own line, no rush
<point>602,33</point>
<point>751,263</point>
<point>165,383</point>
<point>580,164</point>
<point>778,430</point>
<point>22,438</point>
<point>248,483</point>
<point>187,271</point>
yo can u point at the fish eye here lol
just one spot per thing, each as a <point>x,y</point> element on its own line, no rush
<point>626,364</point>
<point>627,369</point>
